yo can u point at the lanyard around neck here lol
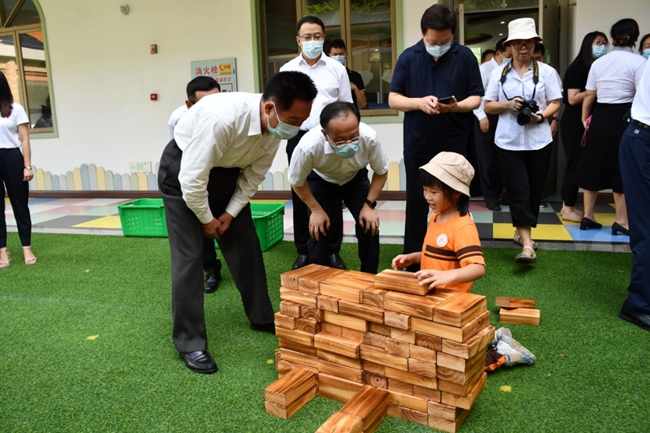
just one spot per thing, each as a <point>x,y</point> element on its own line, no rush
<point>535,79</point>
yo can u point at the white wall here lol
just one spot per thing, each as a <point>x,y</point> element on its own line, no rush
<point>591,15</point>
<point>103,73</point>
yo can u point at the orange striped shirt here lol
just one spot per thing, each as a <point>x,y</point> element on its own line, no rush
<point>452,245</point>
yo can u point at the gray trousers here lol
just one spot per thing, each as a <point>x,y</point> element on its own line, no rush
<point>239,245</point>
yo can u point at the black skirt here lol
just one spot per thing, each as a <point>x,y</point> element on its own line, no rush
<point>598,167</point>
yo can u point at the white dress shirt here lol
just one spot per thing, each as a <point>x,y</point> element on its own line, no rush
<point>173,120</point>
<point>223,130</point>
<point>616,75</point>
<point>641,104</point>
<point>331,80</point>
<point>315,153</point>
<point>509,134</point>
<point>486,70</point>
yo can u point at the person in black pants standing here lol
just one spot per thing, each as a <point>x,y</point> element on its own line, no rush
<point>436,67</point>
<point>333,85</point>
<point>222,149</point>
<point>634,155</point>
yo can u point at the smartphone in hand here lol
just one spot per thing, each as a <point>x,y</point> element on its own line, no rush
<point>446,100</point>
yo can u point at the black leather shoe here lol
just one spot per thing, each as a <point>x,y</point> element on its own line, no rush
<point>617,228</point>
<point>211,283</point>
<point>641,320</point>
<point>586,224</point>
<point>267,327</point>
<point>503,201</point>
<point>337,262</point>
<point>494,207</point>
<point>199,361</point>
<point>302,260</point>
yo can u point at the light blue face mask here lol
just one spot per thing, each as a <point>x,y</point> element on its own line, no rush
<point>646,53</point>
<point>312,49</point>
<point>345,151</point>
<point>438,51</point>
<point>506,60</point>
<point>283,131</point>
<point>598,51</point>
<point>340,59</point>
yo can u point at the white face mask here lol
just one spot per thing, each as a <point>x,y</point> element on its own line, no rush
<point>312,49</point>
<point>283,131</point>
<point>438,51</point>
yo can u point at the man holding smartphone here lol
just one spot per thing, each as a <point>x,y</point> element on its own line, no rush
<point>436,67</point>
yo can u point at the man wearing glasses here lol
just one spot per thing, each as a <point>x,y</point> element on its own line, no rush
<point>329,166</point>
<point>333,84</point>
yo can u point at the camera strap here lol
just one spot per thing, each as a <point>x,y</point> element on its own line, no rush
<point>507,69</point>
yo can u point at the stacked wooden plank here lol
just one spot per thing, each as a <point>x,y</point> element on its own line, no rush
<point>381,340</point>
<point>519,311</point>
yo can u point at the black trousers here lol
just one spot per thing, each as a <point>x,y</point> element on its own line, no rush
<point>525,174</point>
<point>12,165</point>
<point>488,163</point>
<point>417,208</point>
<point>634,157</point>
<point>329,196</point>
<point>571,131</point>
<point>239,245</point>
<point>211,264</point>
<point>300,209</point>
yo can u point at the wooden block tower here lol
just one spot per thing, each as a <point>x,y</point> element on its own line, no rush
<point>382,344</point>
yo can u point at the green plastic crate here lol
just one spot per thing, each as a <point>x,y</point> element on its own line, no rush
<point>269,223</point>
<point>144,217</point>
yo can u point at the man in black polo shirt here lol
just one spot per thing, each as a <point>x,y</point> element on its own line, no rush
<point>436,67</point>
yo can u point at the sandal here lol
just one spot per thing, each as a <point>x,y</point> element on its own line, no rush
<point>522,257</point>
<point>517,239</point>
<point>31,260</point>
<point>5,264</point>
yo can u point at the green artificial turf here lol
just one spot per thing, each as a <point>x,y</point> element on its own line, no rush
<point>592,372</point>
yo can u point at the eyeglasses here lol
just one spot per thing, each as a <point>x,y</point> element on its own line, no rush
<point>343,142</point>
<point>315,37</point>
<point>519,43</point>
<point>598,43</point>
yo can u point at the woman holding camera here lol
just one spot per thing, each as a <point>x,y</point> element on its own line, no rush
<point>613,79</point>
<point>524,93</point>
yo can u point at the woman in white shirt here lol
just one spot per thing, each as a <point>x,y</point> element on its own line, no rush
<point>15,171</point>
<point>612,80</point>
<point>524,93</point>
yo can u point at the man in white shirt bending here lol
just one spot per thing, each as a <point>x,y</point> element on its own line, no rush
<point>333,85</point>
<point>222,149</point>
<point>329,166</point>
<point>195,90</point>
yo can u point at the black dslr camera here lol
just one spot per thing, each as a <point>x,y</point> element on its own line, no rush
<point>528,107</point>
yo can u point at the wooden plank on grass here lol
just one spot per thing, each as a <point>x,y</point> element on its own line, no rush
<point>400,387</point>
<point>342,423</point>
<point>287,412</point>
<point>282,321</point>
<point>446,425</point>
<point>460,309</point>
<point>414,379</point>
<point>296,347</point>
<point>291,309</point>
<point>460,390</point>
<point>369,403</point>
<point>459,364</point>
<point>519,316</point>
<point>423,368</point>
<point>459,377</point>
<point>290,387</point>
<point>340,359</point>
<point>295,336</point>
<point>405,400</point>
<point>505,302</point>
<point>400,281</point>
<point>470,348</point>
<point>347,373</point>
<point>443,411</point>
<point>293,356</point>
<point>414,416</point>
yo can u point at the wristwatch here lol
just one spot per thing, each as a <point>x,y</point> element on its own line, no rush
<point>28,167</point>
<point>372,204</point>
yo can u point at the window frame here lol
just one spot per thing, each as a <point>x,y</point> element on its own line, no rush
<point>15,32</point>
<point>380,115</point>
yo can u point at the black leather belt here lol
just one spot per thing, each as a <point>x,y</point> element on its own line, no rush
<point>640,124</point>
